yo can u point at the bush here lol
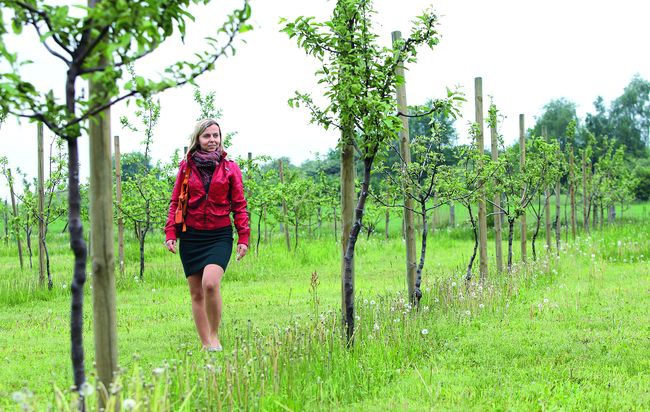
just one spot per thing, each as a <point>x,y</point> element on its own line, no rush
<point>642,174</point>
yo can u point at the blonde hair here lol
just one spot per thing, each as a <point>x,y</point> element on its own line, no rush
<point>199,128</point>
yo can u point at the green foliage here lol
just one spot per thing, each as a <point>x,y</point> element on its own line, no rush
<point>209,111</point>
<point>642,175</point>
<point>557,116</point>
<point>97,46</point>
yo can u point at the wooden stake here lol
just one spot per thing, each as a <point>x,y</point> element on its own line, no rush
<point>522,166</point>
<point>118,200</point>
<point>547,205</point>
<point>101,236</point>
<point>482,216</point>
<point>41,207</point>
<point>408,201</point>
<point>572,192</point>
<point>494,147</point>
<point>284,210</point>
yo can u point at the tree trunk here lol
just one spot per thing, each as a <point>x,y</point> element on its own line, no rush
<point>423,251</point>
<point>511,229</point>
<point>349,252</point>
<point>28,239</point>
<point>259,234</point>
<point>468,274</point>
<point>5,218</point>
<point>387,223</point>
<point>538,222</point>
<point>78,246</point>
<point>547,218</point>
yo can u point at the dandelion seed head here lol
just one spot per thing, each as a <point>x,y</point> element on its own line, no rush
<point>425,331</point>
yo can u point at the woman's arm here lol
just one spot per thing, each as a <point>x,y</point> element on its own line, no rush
<point>170,225</point>
<point>238,205</point>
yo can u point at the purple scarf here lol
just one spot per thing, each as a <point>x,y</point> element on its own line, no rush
<point>205,163</point>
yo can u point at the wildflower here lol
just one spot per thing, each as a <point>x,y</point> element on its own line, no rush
<point>540,306</point>
<point>425,332</point>
<point>436,300</point>
<point>545,300</point>
<point>159,371</point>
<point>593,256</point>
<point>619,243</point>
<point>453,284</point>
<point>153,290</point>
<point>376,327</point>
<point>365,301</point>
<point>426,309</point>
<point>63,286</point>
<point>86,389</point>
<point>372,303</point>
<point>18,397</point>
<point>396,320</point>
<point>357,317</point>
<point>481,306</point>
<point>468,313</point>
<point>128,404</point>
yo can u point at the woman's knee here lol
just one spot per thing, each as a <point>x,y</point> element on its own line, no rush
<point>212,275</point>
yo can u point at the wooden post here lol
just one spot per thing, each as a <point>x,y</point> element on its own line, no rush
<point>41,207</point>
<point>405,150</point>
<point>14,208</point>
<point>452,215</point>
<point>547,204</point>
<point>558,223</point>
<point>572,192</point>
<point>585,199</point>
<point>118,201</point>
<point>348,204</point>
<point>101,236</point>
<point>494,147</point>
<point>284,209</point>
<point>5,218</point>
<point>482,216</point>
<point>522,166</point>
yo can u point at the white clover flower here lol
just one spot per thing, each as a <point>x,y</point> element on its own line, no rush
<point>86,389</point>
<point>129,404</point>
<point>425,332</point>
<point>18,396</point>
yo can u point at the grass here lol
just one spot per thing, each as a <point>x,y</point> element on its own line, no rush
<point>556,334</point>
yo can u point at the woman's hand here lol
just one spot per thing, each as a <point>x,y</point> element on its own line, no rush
<point>241,251</point>
<point>171,245</point>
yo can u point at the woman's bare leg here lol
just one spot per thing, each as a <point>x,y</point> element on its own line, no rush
<point>212,275</point>
<point>198,307</point>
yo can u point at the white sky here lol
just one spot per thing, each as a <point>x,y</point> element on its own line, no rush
<point>527,52</point>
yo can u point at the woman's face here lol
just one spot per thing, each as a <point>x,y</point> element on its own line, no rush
<point>210,139</point>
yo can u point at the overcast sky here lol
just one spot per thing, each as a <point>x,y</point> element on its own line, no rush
<point>527,52</point>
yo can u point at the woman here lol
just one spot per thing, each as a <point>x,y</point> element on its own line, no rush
<point>214,190</point>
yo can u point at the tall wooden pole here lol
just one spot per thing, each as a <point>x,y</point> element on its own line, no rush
<point>585,198</point>
<point>522,166</point>
<point>558,223</point>
<point>118,200</point>
<point>348,204</point>
<point>101,236</point>
<point>494,146</point>
<point>41,207</point>
<point>572,192</point>
<point>14,208</point>
<point>284,209</point>
<point>547,204</point>
<point>482,216</point>
<point>405,151</point>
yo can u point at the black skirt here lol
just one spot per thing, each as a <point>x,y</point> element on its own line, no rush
<point>199,248</point>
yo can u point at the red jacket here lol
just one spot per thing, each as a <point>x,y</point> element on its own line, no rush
<point>206,211</point>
